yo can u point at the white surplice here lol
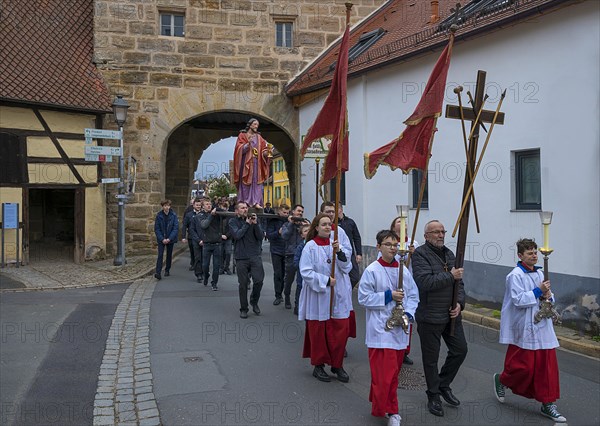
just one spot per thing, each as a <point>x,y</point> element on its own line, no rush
<point>313,303</point>
<point>518,309</point>
<point>371,294</point>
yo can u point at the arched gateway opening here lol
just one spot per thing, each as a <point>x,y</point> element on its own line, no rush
<point>190,139</point>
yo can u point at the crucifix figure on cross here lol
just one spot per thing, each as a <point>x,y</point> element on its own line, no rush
<point>477,116</point>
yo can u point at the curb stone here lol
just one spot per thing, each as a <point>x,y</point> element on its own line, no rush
<point>127,355</point>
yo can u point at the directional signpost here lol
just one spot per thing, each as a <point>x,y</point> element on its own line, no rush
<point>101,153</point>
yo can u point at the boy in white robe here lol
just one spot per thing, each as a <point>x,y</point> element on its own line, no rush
<point>530,366</point>
<point>378,292</point>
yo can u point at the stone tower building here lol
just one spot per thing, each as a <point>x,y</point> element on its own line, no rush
<point>193,72</point>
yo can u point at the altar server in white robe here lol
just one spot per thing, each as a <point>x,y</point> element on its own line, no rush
<point>378,293</point>
<point>530,365</point>
<point>328,208</point>
<point>326,335</point>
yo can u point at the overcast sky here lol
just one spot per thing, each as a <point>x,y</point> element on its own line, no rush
<point>215,160</point>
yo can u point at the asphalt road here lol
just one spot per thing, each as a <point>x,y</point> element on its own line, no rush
<point>212,368</point>
<point>51,349</point>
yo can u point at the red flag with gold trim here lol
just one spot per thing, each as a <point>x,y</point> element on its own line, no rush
<point>332,121</point>
<point>410,149</point>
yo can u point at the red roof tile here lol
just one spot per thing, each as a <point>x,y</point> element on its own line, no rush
<point>47,48</point>
<point>409,33</point>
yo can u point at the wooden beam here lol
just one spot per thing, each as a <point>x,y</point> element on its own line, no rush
<point>59,148</point>
<point>60,135</point>
<point>305,98</point>
<point>57,160</point>
<point>487,116</point>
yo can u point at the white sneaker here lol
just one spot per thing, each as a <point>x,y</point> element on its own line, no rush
<point>394,420</point>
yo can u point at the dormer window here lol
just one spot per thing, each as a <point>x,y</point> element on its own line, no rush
<point>364,42</point>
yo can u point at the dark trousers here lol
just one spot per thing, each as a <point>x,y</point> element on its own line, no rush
<point>214,250</point>
<point>191,246</point>
<point>226,250</point>
<point>430,335</point>
<point>278,272</point>
<point>197,259</point>
<point>290,275</point>
<point>246,269</point>
<point>355,272</point>
<point>159,259</point>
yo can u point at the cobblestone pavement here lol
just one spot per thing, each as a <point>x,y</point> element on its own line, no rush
<point>47,274</point>
<point>125,393</point>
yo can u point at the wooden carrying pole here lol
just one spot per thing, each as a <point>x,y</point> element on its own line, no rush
<point>421,192</point>
<point>338,180</point>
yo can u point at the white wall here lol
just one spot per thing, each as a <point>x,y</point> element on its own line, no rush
<point>550,68</point>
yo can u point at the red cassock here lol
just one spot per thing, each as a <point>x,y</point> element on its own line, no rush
<point>325,341</point>
<point>385,367</point>
<point>248,167</point>
<point>531,373</point>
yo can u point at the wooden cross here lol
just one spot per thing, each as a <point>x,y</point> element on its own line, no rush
<point>486,116</point>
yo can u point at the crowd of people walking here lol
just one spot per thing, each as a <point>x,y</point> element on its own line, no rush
<point>325,262</point>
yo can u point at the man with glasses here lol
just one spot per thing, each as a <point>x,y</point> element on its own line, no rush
<point>436,276</point>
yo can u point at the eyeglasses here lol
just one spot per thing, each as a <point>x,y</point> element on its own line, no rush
<point>389,245</point>
<point>437,232</point>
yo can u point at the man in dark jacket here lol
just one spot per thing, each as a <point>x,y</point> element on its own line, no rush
<point>349,226</point>
<point>166,228</point>
<point>227,246</point>
<point>290,233</point>
<point>277,248</point>
<point>248,235</point>
<point>189,214</point>
<point>435,275</point>
<point>196,233</point>
<point>211,224</point>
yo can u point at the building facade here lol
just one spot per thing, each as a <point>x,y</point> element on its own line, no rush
<point>50,92</point>
<point>194,72</point>
<point>535,161</point>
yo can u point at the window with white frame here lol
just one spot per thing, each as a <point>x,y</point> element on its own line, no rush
<point>172,24</point>
<point>283,34</point>
<point>528,180</point>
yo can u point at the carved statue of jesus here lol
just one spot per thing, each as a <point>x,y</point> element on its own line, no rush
<point>252,161</point>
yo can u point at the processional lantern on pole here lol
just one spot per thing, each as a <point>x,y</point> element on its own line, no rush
<point>399,317</point>
<point>547,309</point>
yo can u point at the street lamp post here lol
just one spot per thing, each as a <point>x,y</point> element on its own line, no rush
<point>120,107</point>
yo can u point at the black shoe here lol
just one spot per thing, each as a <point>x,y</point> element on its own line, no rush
<point>157,276</point>
<point>191,268</point>
<point>407,360</point>
<point>215,288</point>
<point>449,397</point>
<point>256,309</point>
<point>435,406</point>
<point>243,314</point>
<point>198,280</point>
<point>277,300</point>
<point>288,304</point>
<point>296,310</point>
<point>167,273</point>
<point>341,374</point>
<point>320,374</point>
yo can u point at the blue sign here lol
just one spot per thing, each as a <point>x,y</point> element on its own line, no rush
<point>10,215</point>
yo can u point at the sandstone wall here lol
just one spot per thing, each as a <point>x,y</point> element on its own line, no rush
<point>227,61</point>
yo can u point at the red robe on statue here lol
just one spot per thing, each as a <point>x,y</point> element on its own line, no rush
<point>243,174</point>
